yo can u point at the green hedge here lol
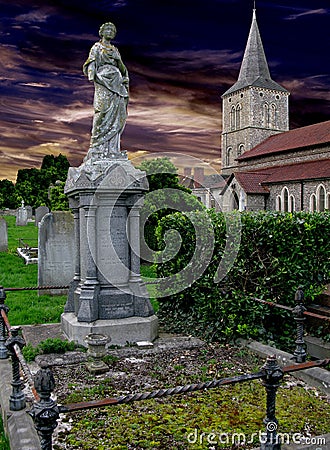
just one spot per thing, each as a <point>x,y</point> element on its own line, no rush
<point>276,252</point>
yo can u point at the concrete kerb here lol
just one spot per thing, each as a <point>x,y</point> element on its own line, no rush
<point>316,376</point>
<point>18,425</point>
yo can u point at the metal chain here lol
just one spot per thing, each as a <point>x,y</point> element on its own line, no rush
<point>184,389</point>
<point>188,388</point>
<point>35,288</point>
<point>277,305</point>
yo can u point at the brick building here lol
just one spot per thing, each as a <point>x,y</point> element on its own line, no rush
<point>265,165</point>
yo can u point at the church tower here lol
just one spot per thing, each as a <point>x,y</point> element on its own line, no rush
<point>255,107</point>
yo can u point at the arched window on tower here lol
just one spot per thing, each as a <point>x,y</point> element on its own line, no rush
<point>327,206</point>
<point>240,150</point>
<point>232,118</point>
<point>272,116</point>
<point>265,115</point>
<point>228,156</point>
<point>238,116</point>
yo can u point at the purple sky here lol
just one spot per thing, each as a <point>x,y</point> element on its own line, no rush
<point>181,56</point>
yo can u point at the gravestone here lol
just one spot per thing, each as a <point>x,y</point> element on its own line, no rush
<point>3,235</point>
<point>107,295</point>
<point>29,212</point>
<point>21,216</point>
<point>39,214</point>
<point>56,251</point>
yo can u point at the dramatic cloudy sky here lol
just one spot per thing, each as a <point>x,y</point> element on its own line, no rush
<point>181,56</point>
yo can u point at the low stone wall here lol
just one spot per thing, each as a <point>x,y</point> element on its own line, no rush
<point>8,212</point>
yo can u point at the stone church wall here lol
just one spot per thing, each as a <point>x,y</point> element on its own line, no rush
<point>300,191</point>
<point>255,202</point>
<point>281,159</point>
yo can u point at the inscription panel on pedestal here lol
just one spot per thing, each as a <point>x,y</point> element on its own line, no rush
<point>112,246</point>
<point>115,305</point>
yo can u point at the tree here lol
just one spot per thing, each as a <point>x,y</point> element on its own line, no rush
<point>57,199</point>
<point>161,173</point>
<point>8,195</point>
<point>166,195</point>
<point>55,167</point>
<point>32,185</point>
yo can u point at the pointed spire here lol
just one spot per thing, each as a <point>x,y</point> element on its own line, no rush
<point>254,68</point>
<point>254,62</point>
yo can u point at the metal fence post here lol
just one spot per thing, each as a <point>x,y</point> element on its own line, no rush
<point>273,375</point>
<point>298,313</point>
<point>17,399</point>
<point>45,412</point>
<point>3,331</point>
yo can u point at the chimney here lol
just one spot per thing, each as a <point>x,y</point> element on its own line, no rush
<point>198,177</point>
<point>187,172</point>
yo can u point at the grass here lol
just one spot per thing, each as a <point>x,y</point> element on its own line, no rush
<point>153,424</point>
<point>178,422</point>
<point>186,422</point>
<point>4,442</point>
<point>26,307</point>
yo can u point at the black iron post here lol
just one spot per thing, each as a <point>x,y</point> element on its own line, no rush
<point>298,313</point>
<point>3,330</point>
<point>17,399</point>
<point>45,412</point>
<point>273,375</point>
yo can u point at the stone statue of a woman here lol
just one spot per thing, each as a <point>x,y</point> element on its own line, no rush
<point>105,68</point>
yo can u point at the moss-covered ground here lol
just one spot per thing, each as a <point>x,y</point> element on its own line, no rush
<point>215,418</point>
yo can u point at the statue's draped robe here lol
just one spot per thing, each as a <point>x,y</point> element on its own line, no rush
<point>110,77</point>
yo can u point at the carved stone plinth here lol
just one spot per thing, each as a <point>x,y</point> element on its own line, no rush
<point>106,196</point>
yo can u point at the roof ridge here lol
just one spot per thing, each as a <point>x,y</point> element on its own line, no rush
<point>291,140</point>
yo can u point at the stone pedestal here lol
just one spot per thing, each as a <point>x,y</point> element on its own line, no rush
<point>107,294</point>
<point>122,331</point>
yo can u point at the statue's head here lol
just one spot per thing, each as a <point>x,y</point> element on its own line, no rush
<point>108,26</point>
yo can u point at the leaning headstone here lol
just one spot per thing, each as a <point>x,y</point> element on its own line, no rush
<point>56,251</point>
<point>21,216</point>
<point>29,212</point>
<point>3,236</point>
<point>39,214</point>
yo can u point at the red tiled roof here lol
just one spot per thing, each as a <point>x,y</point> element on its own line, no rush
<point>257,182</point>
<point>251,182</point>
<point>312,135</point>
<point>310,170</point>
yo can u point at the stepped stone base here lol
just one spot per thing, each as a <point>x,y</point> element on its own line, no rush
<point>317,348</point>
<point>120,331</point>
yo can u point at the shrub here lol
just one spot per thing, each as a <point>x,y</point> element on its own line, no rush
<point>276,252</point>
<point>49,345</point>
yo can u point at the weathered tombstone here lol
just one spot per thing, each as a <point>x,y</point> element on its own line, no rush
<point>107,295</point>
<point>56,251</point>
<point>21,216</point>
<point>39,214</point>
<point>29,212</point>
<point>3,235</point>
